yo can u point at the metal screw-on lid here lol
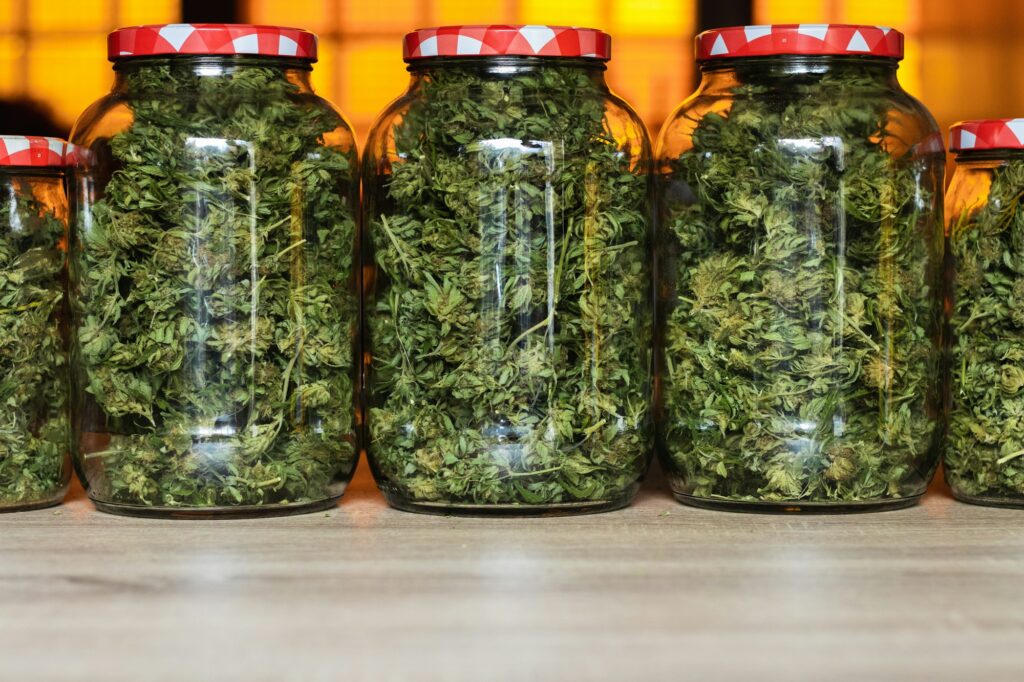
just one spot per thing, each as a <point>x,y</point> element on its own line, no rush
<point>214,39</point>
<point>30,150</point>
<point>990,133</point>
<point>493,40</point>
<point>800,39</point>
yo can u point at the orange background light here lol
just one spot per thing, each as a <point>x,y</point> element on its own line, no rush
<point>960,61</point>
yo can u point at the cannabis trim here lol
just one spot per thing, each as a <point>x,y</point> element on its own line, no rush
<point>801,266</point>
<point>985,457</point>
<point>33,366</point>
<point>215,293</point>
<point>510,327</point>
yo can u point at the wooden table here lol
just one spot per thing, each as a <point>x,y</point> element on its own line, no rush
<point>658,591</point>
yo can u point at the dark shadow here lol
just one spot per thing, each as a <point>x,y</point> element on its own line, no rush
<point>29,117</point>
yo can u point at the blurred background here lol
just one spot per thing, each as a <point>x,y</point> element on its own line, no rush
<point>962,57</point>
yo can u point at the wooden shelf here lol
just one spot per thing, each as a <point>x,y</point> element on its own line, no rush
<point>657,591</point>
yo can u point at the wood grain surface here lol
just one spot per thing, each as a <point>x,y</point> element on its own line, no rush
<point>657,591</point>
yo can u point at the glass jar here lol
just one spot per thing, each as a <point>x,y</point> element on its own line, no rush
<point>213,279</point>
<point>984,460</point>
<point>800,272</point>
<point>35,466</point>
<point>509,292</point>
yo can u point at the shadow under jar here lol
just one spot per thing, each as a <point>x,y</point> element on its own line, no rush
<point>35,466</point>
<point>213,281</point>
<point>509,292</point>
<point>800,271</point>
<point>984,460</point>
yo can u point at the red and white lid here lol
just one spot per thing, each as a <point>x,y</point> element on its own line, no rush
<point>199,39</point>
<point>492,40</point>
<point>990,133</point>
<point>797,39</point>
<point>75,155</point>
<point>30,150</point>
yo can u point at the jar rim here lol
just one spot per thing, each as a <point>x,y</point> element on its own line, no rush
<point>211,39</point>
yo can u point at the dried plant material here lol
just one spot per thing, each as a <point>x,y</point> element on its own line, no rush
<point>985,456</point>
<point>215,296</point>
<point>511,327</point>
<point>33,364</point>
<point>801,358</point>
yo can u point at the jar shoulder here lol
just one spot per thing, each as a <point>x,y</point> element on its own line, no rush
<point>116,112</point>
<point>342,136</point>
<point>381,140</point>
<point>104,118</point>
<point>628,128</point>
<point>825,111</point>
<point>622,125</point>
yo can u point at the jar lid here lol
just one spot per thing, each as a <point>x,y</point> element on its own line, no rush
<point>797,39</point>
<point>495,39</point>
<point>30,150</point>
<point>199,39</point>
<point>988,133</point>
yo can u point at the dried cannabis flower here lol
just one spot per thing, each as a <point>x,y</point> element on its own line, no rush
<point>801,261</point>
<point>216,307</point>
<point>985,457</point>
<point>33,366</point>
<point>511,325</point>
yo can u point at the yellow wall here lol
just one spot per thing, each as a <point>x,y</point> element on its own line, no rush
<point>55,50</point>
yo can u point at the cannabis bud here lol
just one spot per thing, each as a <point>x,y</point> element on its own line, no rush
<point>510,321</point>
<point>33,370</point>
<point>801,261</point>
<point>984,460</point>
<point>214,290</point>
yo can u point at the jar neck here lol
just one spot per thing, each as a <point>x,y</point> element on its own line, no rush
<point>129,73</point>
<point>869,72</point>
<point>505,66</point>
<point>31,173</point>
<point>988,155</point>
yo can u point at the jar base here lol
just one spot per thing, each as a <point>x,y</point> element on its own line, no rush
<point>213,513</point>
<point>1003,502</point>
<point>32,506</point>
<point>403,503</point>
<point>797,507</point>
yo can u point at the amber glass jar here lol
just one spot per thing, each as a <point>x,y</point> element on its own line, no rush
<point>984,460</point>
<point>509,297</point>
<point>800,269</point>
<point>213,280</point>
<point>34,463</point>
